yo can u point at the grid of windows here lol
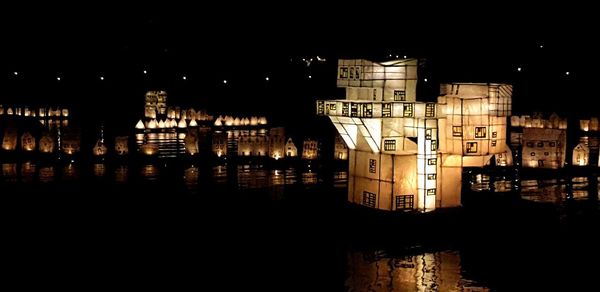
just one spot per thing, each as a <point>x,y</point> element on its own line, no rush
<point>372,165</point>
<point>386,110</point>
<point>389,145</point>
<point>430,110</point>
<point>344,72</point>
<point>408,110</point>
<point>369,199</point>
<point>405,202</point>
<point>399,95</point>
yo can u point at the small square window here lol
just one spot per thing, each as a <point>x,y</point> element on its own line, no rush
<point>457,131</point>
<point>493,143</point>
<point>480,132</point>
<point>431,161</point>
<point>431,176</point>
<point>431,192</point>
<point>433,145</point>
<point>428,134</point>
<point>494,134</point>
<point>399,95</point>
<point>471,147</point>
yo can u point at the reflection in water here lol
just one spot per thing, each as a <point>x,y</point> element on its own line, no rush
<point>46,174</point>
<point>277,177</point>
<point>70,172</point>
<point>9,172</point>
<point>121,173</point>
<point>340,179</point>
<point>220,174</point>
<point>251,177</point>
<point>28,172</point>
<point>150,172</point>
<point>438,271</point>
<point>309,177</point>
<point>190,178</point>
<point>99,170</point>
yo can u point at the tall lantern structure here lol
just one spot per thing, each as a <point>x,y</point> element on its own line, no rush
<point>409,155</point>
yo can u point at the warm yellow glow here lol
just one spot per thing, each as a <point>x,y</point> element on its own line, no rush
<point>581,155</point>
<point>152,124</point>
<point>219,153</point>
<point>161,124</point>
<point>149,149</point>
<point>65,112</point>
<point>9,111</point>
<point>140,125</point>
<point>9,140</point>
<point>99,149</point>
<point>27,142</point>
<point>262,121</point>
<point>182,124</point>
<point>193,123</point>
<point>218,122</point>
<point>122,145</point>
<point>46,144</point>
<point>584,125</point>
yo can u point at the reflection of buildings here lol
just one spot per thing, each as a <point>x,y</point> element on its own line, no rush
<point>543,141</point>
<point>405,154</point>
<point>589,136</point>
<point>439,271</point>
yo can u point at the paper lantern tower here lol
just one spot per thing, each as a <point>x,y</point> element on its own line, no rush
<point>409,155</point>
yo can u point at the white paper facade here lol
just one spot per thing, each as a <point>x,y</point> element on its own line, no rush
<point>340,151</point>
<point>544,148</point>
<point>407,155</point>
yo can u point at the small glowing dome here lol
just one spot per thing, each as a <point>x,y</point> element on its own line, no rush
<point>218,122</point>
<point>152,124</point>
<point>182,124</point>
<point>193,123</point>
<point>140,125</point>
<point>262,121</point>
<point>228,121</point>
<point>161,124</point>
<point>173,123</point>
<point>246,121</point>
<point>253,121</point>
<point>236,122</point>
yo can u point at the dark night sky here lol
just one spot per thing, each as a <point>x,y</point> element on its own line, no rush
<point>209,44</point>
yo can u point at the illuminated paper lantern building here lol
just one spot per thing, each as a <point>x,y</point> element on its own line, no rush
<point>581,155</point>
<point>409,155</point>
<point>47,143</point>
<point>156,104</point>
<point>543,142</point>
<point>276,142</point>
<point>290,148</point>
<point>27,142</point>
<point>310,149</point>
<point>9,140</point>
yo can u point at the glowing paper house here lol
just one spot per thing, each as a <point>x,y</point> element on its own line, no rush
<point>27,142</point>
<point>310,149</point>
<point>581,155</point>
<point>290,148</point>
<point>9,140</point>
<point>407,155</point>
<point>99,149</point>
<point>340,149</point>
<point>122,145</point>
<point>276,142</point>
<point>46,143</point>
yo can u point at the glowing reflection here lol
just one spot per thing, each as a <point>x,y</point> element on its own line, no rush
<point>28,171</point>
<point>70,172</point>
<point>150,172</point>
<point>121,173</point>
<point>46,174</point>
<point>9,172</point>
<point>99,169</point>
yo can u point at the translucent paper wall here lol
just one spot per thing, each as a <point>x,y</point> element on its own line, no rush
<point>389,81</point>
<point>581,155</point>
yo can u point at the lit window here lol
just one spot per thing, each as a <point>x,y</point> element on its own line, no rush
<point>345,109</point>
<point>428,134</point>
<point>367,110</point>
<point>431,176</point>
<point>408,110</point>
<point>480,132</point>
<point>344,72</point>
<point>431,161</point>
<point>433,145</point>
<point>399,95</point>
<point>532,154</point>
<point>494,134</point>
<point>430,110</point>
<point>431,192</point>
<point>386,110</point>
<point>372,165</point>
<point>405,202</point>
<point>457,131</point>
<point>471,147</point>
<point>493,143</point>
<point>389,145</point>
<point>369,199</point>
